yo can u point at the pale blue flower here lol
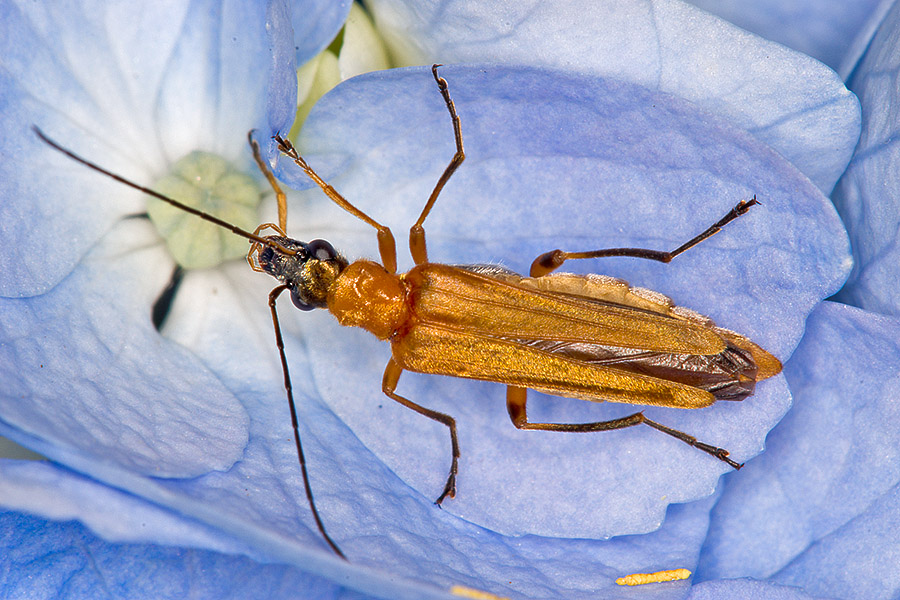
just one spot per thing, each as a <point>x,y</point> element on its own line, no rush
<point>188,432</point>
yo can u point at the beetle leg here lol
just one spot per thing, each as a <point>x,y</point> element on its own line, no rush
<point>550,261</point>
<point>516,399</point>
<point>387,248</point>
<point>417,232</point>
<point>392,374</point>
<point>280,197</point>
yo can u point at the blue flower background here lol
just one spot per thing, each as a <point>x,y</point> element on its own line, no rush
<point>172,467</point>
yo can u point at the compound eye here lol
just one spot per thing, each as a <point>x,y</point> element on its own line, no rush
<point>300,303</point>
<point>321,250</point>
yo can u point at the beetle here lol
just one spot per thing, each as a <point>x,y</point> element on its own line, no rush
<point>587,337</point>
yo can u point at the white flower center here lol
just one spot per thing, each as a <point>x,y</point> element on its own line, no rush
<point>209,183</point>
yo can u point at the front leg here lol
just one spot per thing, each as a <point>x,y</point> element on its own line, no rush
<point>392,374</point>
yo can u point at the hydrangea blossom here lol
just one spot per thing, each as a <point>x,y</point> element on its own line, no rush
<point>187,431</point>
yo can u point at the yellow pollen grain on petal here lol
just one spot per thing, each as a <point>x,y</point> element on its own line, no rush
<point>657,577</point>
<point>467,592</point>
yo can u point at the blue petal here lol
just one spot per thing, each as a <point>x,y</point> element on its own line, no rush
<point>136,90</point>
<point>868,195</point>
<point>797,510</point>
<point>315,25</point>
<point>857,560</point>
<point>555,159</point>
<point>53,492</point>
<point>788,100</point>
<point>746,589</point>
<point>99,381</point>
<point>65,560</point>
<point>864,38</point>
<point>524,568</point>
<point>824,30</point>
